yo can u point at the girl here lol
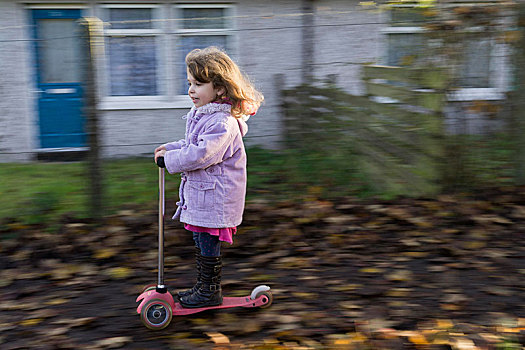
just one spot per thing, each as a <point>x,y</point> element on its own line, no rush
<point>212,162</point>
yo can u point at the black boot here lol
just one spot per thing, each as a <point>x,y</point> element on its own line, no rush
<point>209,292</point>
<point>198,284</point>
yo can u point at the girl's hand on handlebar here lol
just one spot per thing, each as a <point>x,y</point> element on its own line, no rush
<point>159,153</point>
<point>160,148</point>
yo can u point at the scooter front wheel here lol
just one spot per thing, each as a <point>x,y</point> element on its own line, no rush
<point>268,301</point>
<point>156,314</point>
<point>149,287</point>
<point>260,291</point>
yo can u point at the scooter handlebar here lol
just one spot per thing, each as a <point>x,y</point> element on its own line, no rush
<point>160,162</point>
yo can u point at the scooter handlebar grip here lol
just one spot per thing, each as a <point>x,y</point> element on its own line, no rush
<point>160,162</point>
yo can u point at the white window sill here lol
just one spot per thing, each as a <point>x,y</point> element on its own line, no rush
<point>476,94</point>
<point>62,149</point>
<point>467,94</point>
<point>153,102</point>
<point>403,30</point>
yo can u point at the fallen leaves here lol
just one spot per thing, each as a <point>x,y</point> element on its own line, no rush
<point>111,343</point>
<point>31,322</point>
<point>118,272</point>
<point>218,338</point>
<point>406,274</point>
<point>400,276</point>
<point>105,253</point>
<point>398,292</point>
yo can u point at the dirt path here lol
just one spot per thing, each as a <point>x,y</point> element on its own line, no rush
<point>410,274</point>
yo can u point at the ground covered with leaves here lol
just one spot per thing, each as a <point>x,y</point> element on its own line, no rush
<point>445,273</point>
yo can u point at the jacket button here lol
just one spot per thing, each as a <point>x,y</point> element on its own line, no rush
<point>184,207</point>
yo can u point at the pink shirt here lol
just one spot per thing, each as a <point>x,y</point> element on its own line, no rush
<point>224,234</point>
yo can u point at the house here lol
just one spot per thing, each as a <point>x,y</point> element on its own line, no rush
<point>141,82</point>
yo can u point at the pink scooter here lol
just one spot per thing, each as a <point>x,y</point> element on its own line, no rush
<point>157,305</point>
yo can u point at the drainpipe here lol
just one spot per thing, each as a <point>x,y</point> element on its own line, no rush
<point>518,98</point>
<point>308,40</point>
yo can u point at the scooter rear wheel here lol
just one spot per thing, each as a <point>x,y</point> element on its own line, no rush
<point>268,295</point>
<point>156,314</point>
<point>149,287</point>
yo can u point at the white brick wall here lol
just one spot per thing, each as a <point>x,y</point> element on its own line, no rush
<point>261,54</point>
<point>267,46</point>
<point>345,37</point>
<point>17,124</point>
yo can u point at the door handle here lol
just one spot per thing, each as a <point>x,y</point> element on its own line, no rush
<point>61,91</point>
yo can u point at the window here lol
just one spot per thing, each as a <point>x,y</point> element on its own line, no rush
<point>146,46</point>
<point>475,68</point>
<point>132,58</point>
<point>59,54</point>
<point>407,44</point>
<point>405,36</point>
<point>199,26</point>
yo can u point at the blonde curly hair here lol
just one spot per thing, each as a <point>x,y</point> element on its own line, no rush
<point>214,65</point>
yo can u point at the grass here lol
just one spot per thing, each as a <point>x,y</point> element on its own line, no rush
<point>477,162</point>
<point>35,193</point>
<point>43,192</point>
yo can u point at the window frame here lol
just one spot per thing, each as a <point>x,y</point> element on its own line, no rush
<point>495,90</point>
<point>168,32</point>
<point>230,13</point>
<point>166,98</point>
<point>228,31</point>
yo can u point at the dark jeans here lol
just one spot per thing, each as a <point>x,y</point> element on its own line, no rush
<point>208,244</point>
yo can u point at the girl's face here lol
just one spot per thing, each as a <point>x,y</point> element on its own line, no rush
<point>202,93</point>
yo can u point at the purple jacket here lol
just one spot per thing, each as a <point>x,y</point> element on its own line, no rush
<point>212,163</point>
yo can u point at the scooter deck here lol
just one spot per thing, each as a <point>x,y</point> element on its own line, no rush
<point>178,310</point>
<point>227,302</point>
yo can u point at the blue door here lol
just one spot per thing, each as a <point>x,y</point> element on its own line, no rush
<point>59,75</point>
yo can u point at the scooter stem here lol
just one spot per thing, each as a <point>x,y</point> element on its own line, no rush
<point>161,288</point>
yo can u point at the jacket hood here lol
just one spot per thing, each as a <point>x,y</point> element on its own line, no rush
<point>213,107</point>
<point>243,126</point>
<point>221,107</point>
